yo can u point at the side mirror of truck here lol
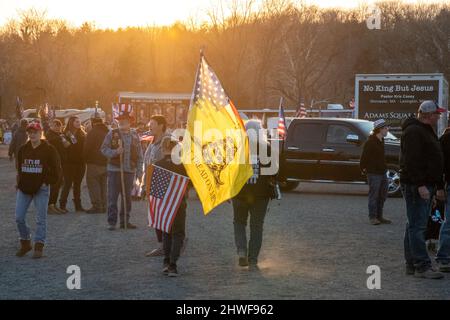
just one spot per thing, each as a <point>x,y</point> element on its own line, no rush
<point>353,138</point>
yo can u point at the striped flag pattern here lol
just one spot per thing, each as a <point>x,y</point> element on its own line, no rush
<point>121,108</point>
<point>301,113</point>
<point>167,190</point>
<point>146,136</point>
<point>351,104</point>
<point>282,131</point>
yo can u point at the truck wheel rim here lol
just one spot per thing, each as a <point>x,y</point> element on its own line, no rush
<point>393,181</point>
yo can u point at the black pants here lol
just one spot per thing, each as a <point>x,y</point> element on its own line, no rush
<point>159,235</point>
<point>73,175</point>
<point>256,208</point>
<point>54,191</point>
<point>173,241</point>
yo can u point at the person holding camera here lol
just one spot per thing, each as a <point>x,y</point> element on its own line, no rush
<point>74,166</point>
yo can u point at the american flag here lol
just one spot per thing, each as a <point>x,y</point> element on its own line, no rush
<point>146,136</point>
<point>167,190</point>
<point>351,104</point>
<point>19,108</point>
<point>281,122</point>
<point>119,109</point>
<point>301,112</point>
<point>51,112</point>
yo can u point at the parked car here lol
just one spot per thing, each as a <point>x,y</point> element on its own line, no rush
<point>329,150</point>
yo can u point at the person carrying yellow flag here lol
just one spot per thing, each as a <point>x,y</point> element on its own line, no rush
<point>215,145</point>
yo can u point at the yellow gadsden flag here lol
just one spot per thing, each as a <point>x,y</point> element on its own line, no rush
<point>215,146</point>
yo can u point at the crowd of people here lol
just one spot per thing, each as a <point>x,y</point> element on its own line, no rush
<point>51,163</point>
<point>424,173</point>
<point>114,159</point>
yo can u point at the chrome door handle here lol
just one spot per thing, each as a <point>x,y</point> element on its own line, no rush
<point>328,150</point>
<point>293,148</point>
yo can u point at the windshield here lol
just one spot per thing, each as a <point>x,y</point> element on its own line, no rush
<point>367,127</point>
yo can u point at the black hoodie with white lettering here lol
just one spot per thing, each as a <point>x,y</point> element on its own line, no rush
<point>37,166</point>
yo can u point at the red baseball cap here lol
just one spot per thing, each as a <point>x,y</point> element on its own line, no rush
<point>34,126</point>
<point>430,106</point>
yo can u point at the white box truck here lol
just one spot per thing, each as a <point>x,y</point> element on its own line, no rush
<point>395,97</point>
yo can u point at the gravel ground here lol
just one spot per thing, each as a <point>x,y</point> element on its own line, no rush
<point>317,245</point>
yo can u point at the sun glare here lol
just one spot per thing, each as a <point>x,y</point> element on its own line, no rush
<point>119,13</point>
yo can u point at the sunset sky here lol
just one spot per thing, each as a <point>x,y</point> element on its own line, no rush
<point>122,13</point>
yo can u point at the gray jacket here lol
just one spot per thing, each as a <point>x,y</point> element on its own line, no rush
<point>130,142</point>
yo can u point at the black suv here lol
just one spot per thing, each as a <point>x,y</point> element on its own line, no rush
<point>329,150</point>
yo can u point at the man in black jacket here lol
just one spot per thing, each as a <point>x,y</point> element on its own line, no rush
<point>55,137</point>
<point>421,175</point>
<point>38,167</point>
<point>96,166</point>
<point>373,164</point>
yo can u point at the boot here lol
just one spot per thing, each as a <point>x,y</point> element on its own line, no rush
<point>25,247</point>
<point>38,250</point>
<point>93,210</point>
<point>62,207</point>
<point>78,206</point>
<point>53,210</point>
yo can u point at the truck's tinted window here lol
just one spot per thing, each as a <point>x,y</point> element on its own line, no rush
<point>308,134</point>
<point>338,133</point>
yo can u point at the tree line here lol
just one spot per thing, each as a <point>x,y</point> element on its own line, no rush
<point>279,48</point>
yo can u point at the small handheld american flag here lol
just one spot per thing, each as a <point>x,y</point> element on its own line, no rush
<point>167,190</point>
<point>281,122</point>
<point>146,136</point>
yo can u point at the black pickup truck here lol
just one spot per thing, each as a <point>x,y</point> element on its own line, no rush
<point>329,150</point>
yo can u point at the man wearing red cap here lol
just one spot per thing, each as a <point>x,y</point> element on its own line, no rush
<point>38,166</point>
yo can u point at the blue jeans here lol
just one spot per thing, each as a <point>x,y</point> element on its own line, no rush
<point>40,200</point>
<point>114,190</point>
<point>256,208</point>
<point>417,211</point>
<point>378,190</point>
<point>443,255</point>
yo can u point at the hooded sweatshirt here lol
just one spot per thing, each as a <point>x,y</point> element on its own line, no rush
<point>421,157</point>
<point>55,139</point>
<point>372,157</point>
<point>37,166</point>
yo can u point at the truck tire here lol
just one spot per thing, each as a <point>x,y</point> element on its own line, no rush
<point>393,175</point>
<point>288,185</point>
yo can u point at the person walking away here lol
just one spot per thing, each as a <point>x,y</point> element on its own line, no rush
<point>421,175</point>
<point>173,241</point>
<point>19,139</point>
<point>57,139</point>
<point>38,167</point>
<point>157,127</point>
<point>373,164</point>
<point>74,166</point>
<point>96,166</point>
<point>126,142</point>
<point>443,254</point>
<point>252,201</point>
